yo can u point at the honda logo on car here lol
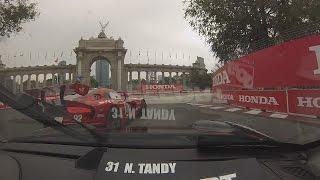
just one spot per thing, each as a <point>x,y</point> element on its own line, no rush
<point>258,99</point>
<point>309,102</point>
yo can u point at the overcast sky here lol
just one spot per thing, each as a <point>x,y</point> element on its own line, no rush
<point>148,26</point>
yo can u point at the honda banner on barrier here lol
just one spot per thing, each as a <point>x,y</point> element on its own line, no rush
<point>243,82</point>
<point>161,87</point>
<point>266,100</point>
<point>304,102</point>
<point>291,64</point>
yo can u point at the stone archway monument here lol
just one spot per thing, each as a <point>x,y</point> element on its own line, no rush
<point>102,48</point>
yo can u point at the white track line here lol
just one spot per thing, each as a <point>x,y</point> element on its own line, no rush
<point>217,107</point>
<point>205,106</point>
<point>233,109</point>
<point>278,115</point>
<point>254,111</point>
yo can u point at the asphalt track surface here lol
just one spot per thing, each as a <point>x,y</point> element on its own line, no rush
<point>188,109</point>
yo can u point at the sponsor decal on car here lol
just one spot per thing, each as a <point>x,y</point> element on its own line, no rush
<point>142,168</point>
<point>224,177</point>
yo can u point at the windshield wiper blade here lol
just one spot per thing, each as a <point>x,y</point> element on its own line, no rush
<point>34,110</point>
<point>233,142</point>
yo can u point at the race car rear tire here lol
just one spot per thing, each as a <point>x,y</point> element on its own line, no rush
<point>112,122</point>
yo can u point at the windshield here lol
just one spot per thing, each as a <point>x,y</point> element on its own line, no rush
<point>162,73</point>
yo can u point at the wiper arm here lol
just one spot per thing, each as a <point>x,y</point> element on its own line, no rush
<point>30,108</point>
<point>232,142</point>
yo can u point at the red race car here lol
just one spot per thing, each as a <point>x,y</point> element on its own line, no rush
<point>103,107</point>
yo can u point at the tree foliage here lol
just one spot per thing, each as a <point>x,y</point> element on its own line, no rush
<point>234,28</point>
<point>93,82</point>
<point>199,80</point>
<point>13,13</point>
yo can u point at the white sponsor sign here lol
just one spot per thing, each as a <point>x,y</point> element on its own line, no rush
<point>160,87</point>
<point>310,102</point>
<point>258,100</point>
<point>142,168</point>
<point>221,78</point>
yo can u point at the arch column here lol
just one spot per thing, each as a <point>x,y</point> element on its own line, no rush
<point>29,81</point>
<point>14,84</point>
<point>130,77</point>
<point>162,77</point>
<point>44,84</point>
<point>184,83</point>
<point>147,76</point>
<point>21,84</point>
<point>130,80</point>
<point>139,78</point>
<point>37,81</point>
<point>155,76</point>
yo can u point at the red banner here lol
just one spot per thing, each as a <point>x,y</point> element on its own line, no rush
<point>304,102</point>
<point>161,88</point>
<point>235,75</point>
<point>266,100</point>
<point>291,64</point>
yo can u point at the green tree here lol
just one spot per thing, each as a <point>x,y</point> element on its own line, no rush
<point>93,82</point>
<point>13,13</point>
<point>200,80</point>
<point>234,28</point>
